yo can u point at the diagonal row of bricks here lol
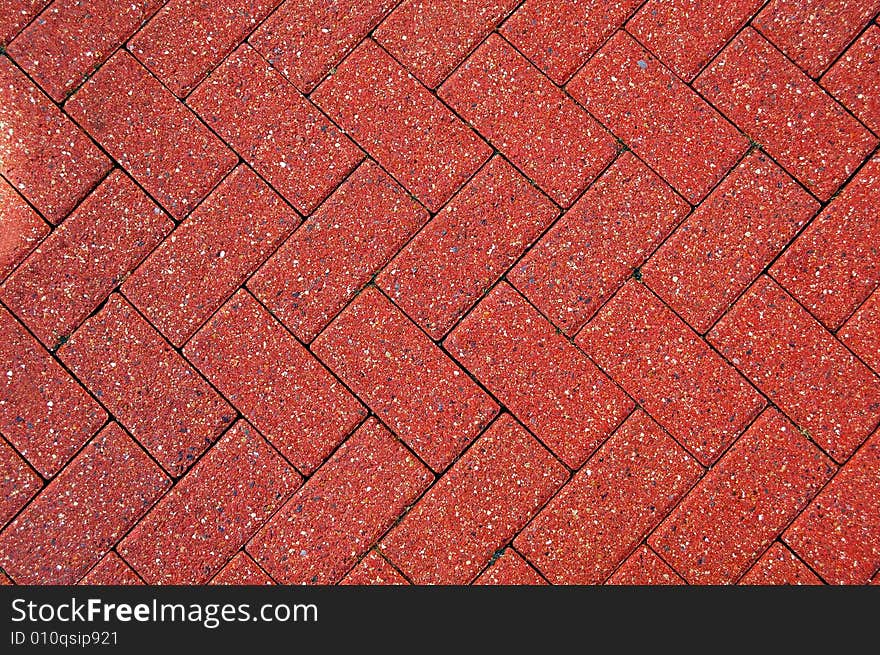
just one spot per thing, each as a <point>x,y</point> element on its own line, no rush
<point>701,394</point>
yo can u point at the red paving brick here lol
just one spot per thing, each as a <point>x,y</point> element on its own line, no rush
<point>342,510</point>
<point>399,123</point>
<point>275,129</point>
<point>410,384</point>
<point>547,383</point>
<point>432,38</point>
<point>644,567</point>
<point>44,412</point>
<point>728,240</point>
<point>647,106</point>
<point>585,257</point>
<point>691,391</point>
<point>241,570</point>
<point>743,503</point>
<point>779,566</point>
<point>72,38</point>
<point>834,265</point>
<point>82,512</point>
<point>510,569</point>
<point>809,133</point>
<point>686,34</point>
<point>210,514</point>
<point>465,291</point>
<point>861,333</point>
<point>304,39</point>
<point>560,35</point>
<point>340,247</point>
<point>374,570</point>
<point>188,38</point>
<point>274,381</point>
<point>76,267</point>
<point>533,123</point>
<point>463,251</point>
<point>839,533</point>
<point>111,570</point>
<point>814,32</point>
<point>210,255</point>
<point>19,484</point>
<point>43,153</point>
<point>610,505</point>
<point>21,229</point>
<point>784,351</point>
<point>15,14</point>
<point>479,505</point>
<point>150,389</point>
<point>154,137</point>
<point>855,78</point>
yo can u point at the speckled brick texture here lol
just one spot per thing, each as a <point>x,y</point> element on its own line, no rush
<point>654,113</point>
<point>532,122</point>
<point>781,108</point>
<point>344,508</point>
<point>212,511</point>
<point>547,383</point>
<point>160,142</point>
<point>478,506</point>
<point>395,292</point>
<point>408,381</point>
<point>76,267</point>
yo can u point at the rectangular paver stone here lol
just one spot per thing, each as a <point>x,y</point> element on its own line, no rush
<point>210,254</point>
<point>743,502</point>
<point>304,39</point>
<point>686,34</point>
<point>560,35</point>
<point>728,240</point>
<point>585,257</point>
<point>855,78</point>
<point>188,38</point>
<point>82,512</point>
<point>44,412</point>
<point>477,507</point>
<point>401,124</point>
<point>151,134</point>
<point>337,251</point>
<point>21,229</point>
<point>275,129</point>
<point>77,266</point>
<point>814,32</point>
<point>665,122</point>
<point>147,386</point>
<point>411,385</point>
<point>610,505</point>
<point>432,38</point>
<point>839,533</point>
<point>72,38</point>
<point>342,510</point>
<point>43,153</point>
<point>552,140</point>
<point>274,381</point>
<point>18,484</point>
<point>834,265</point>
<point>803,128</point>
<point>210,514</point>
<point>671,372</point>
<point>466,247</point>
<point>801,367</point>
<point>548,384</point>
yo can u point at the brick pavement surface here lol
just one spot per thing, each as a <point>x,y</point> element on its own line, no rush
<point>513,292</point>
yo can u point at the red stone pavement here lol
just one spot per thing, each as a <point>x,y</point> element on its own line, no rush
<point>447,291</point>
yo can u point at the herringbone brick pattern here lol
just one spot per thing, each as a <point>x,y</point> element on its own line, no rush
<point>446,291</point>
